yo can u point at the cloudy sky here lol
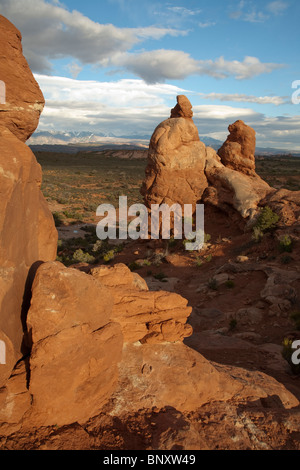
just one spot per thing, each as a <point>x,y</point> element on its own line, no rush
<point>116,66</point>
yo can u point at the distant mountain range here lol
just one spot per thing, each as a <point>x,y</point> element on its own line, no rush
<point>72,142</point>
<point>83,137</point>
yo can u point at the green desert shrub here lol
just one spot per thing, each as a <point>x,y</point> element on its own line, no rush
<point>134,266</point>
<point>97,246</point>
<point>267,219</point>
<point>146,262</point>
<point>81,257</point>
<point>73,215</point>
<point>207,237</point>
<point>286,244</point>
<point>108,256</point>
<point>58,219</point>
<point>257,234</point>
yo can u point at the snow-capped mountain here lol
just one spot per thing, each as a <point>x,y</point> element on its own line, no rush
<point>85,137</point>
<point>69,137</point>
<point>73,140</point>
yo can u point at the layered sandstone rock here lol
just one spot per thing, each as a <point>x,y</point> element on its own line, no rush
<point>148,317</point>
<point>76,347</point>
<point>176,160</point>
<point>77,323</point>
<point>27,231</point>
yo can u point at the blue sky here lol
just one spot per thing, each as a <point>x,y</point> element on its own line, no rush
<point>116,66</point>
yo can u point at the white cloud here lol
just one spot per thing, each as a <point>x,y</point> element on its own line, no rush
<point>277,7</point>
<point>242,98</point>
<point>281,132</point>
<point>50,31</point>
<point>248,68</point>
<point>221,112</point>
<point>160,65</point>
<point>174,15</point>
<point>74,69</point>
<point>126,92</point>
<point>184,11</point>
<point>133,107</point>
<point>124,106</point>
<point>247,12</point>
<point>255,16</point>
<point>207,24</point>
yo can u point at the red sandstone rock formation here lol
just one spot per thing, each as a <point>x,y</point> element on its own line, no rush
<point>233,182</point>
<point>238,150</point>
<point>148,317</point>
<point>176,160</point>
<point>24,99</point>
<point>235,192</point>
<point>76,346</point>
<point>183,108</point>
<point>27,231</point>
<point>182,170</point>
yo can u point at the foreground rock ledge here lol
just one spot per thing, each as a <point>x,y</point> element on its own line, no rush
<point>175,375</point>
